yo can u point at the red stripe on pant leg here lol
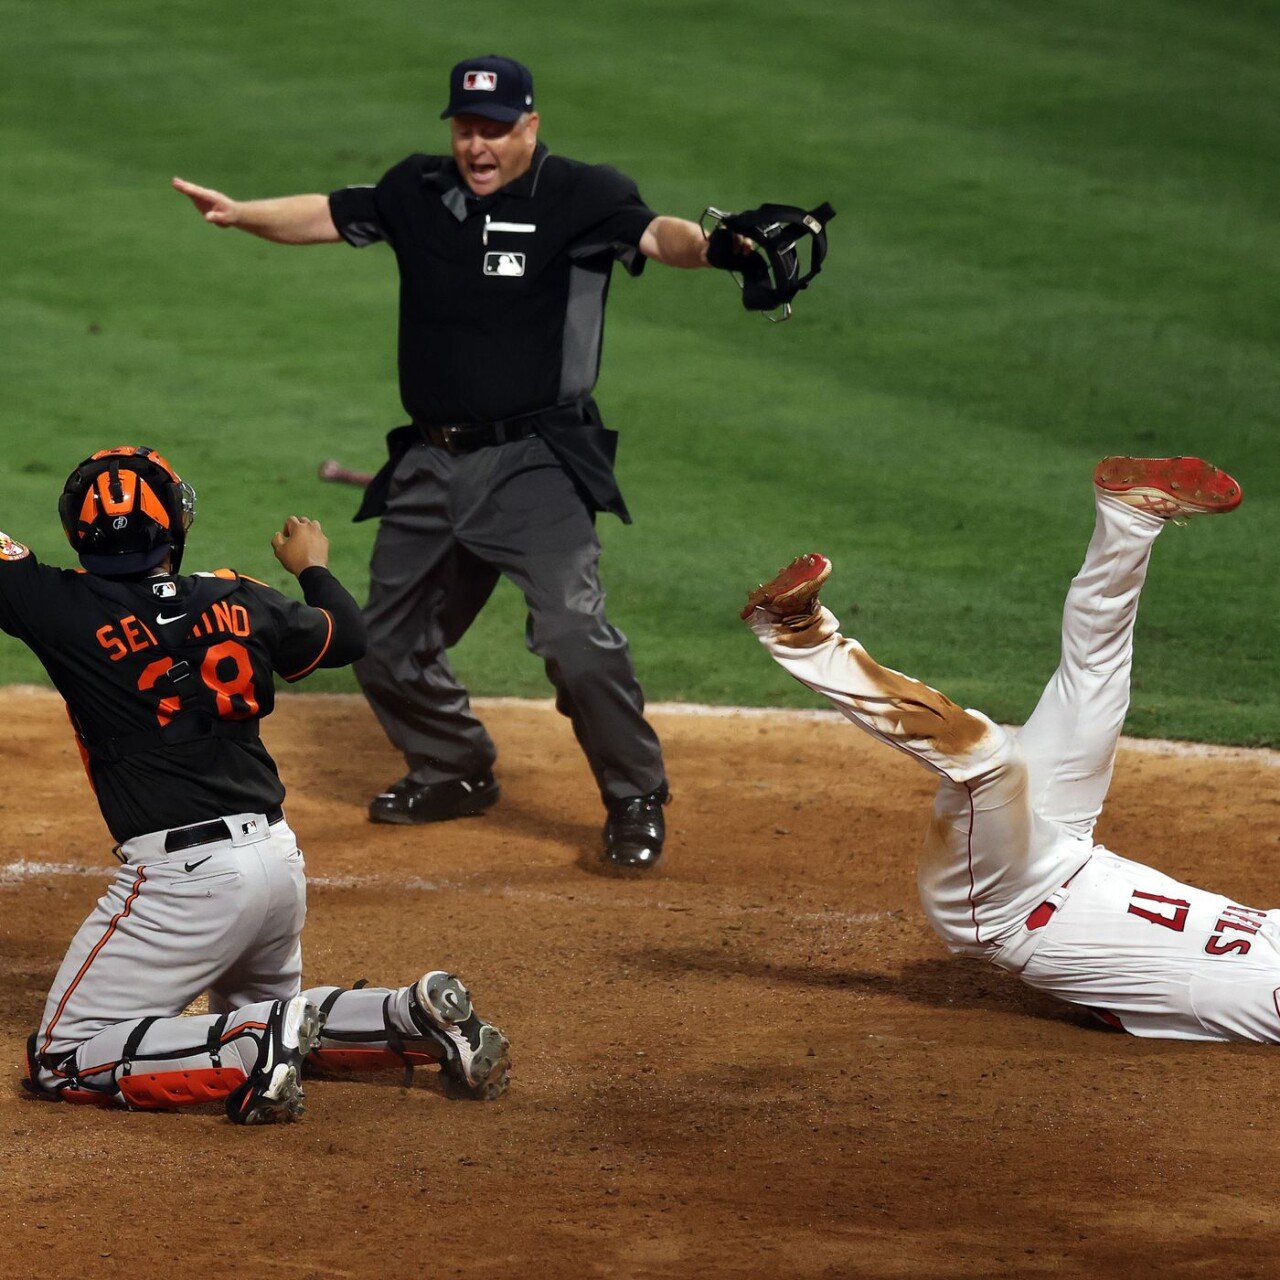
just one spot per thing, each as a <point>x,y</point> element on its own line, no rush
<point>92,1071</point>
<point>241,1028</point>
<point>93,955</point>
<point>973,906</point>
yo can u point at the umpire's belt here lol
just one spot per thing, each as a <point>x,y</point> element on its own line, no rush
<point>180,838</point>
<point>468,437</point>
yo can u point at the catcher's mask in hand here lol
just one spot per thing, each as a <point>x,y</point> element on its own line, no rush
<point>772,277</point>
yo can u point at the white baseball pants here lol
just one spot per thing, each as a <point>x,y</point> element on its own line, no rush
<point>1009,870</point>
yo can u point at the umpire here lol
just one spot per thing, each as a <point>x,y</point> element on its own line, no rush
<point>505,252</point>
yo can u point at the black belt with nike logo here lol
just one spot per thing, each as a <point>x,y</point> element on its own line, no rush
<point>207,832</point>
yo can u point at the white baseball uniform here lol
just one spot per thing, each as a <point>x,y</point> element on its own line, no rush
<point>1010,871</point>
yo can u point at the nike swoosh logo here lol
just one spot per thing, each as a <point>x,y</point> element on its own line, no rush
<point>191,866</point>
<point>163,621</point>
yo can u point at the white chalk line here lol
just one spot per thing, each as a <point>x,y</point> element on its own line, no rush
<point>25,870</point>
<point>826,715</point>
<point>797,715</point>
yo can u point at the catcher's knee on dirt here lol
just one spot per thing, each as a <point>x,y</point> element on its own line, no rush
<point>151,1063</point>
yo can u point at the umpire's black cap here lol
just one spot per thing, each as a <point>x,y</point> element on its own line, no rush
<point>499,88</point>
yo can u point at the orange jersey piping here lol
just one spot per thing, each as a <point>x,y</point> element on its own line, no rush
<point>328,640</point>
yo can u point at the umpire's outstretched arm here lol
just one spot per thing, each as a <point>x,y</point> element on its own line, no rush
<point>286,220</point>
<point>306,219</point>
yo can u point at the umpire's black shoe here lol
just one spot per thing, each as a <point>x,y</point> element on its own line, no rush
<point>634,831</point>
<point>408,803</point>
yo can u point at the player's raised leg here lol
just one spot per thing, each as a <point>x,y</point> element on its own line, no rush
<point>988,860</point>
<point>804,638</point>
<point>1070,740</point>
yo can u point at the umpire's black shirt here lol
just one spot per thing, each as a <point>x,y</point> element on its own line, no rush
<point>502,296</point>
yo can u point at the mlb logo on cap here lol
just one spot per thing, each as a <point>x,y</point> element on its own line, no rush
<point>493,87</point>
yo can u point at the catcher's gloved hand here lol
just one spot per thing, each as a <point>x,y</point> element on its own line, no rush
<point>772,277</point>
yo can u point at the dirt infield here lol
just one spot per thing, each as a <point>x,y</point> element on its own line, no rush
<point>756,1063</point>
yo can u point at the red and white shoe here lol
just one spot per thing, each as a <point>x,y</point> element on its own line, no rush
<point>793,591</point>
<point>1170,488</point>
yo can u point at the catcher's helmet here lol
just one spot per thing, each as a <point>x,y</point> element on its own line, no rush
<point>124,510</point>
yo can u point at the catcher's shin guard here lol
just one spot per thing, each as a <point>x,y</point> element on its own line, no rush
<point>59,1077</point>
<point>164,1063</point>
<point>368,1028</point>
<point>164,1090</point>
<point>351,1041</point>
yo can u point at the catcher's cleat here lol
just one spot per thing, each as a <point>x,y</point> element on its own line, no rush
<point>794,591</point>
<point>409,803</point>
<point>1170,488</point>
<point>474,1054</point>
<point>272,1094</point>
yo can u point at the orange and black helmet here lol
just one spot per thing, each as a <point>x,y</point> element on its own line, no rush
<point>124,510</point>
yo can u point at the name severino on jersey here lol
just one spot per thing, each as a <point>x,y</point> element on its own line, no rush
<point>132,635</point>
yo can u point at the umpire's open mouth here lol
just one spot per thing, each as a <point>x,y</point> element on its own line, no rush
<point>482,173</point>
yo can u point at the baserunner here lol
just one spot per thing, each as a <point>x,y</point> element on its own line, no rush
<point>1010,871</point>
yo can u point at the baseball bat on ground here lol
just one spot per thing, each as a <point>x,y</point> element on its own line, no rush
<point>334,472</point>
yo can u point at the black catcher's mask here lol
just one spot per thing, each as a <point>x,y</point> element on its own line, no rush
<point>771,277</point>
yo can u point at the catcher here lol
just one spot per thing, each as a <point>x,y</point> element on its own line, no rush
<point>166,678</point>
<point>1010,870</point>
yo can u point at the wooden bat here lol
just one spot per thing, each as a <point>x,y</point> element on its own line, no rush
<point>334,472</point>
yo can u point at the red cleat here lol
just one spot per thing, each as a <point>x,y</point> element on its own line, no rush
<point>794,591</point>
<point>1171,488</point>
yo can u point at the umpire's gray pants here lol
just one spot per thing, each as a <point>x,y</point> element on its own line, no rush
<point>453,524</point>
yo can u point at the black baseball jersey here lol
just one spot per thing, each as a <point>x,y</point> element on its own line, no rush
<point>165,679</point>
<point>501,297</point>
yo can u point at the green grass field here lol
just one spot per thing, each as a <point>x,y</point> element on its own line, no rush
<point>1057,238</point>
